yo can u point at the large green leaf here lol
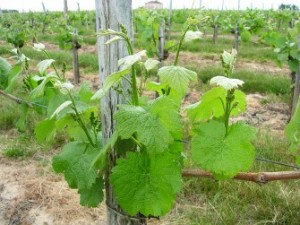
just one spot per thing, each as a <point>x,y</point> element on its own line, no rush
<point>44,65</point>
<point>211,105</point>
<point>92,196</point>
<point>21,123</point>
<point>40,89</point>
<point>4,69</point>
<point>146,183</point>
<point>13,75</point>
<point>45,130</point>
<point>223,155</point>
<point>150,131</point>
<point>75,162</point>
<point>177,78</point>
<point>167,111</point>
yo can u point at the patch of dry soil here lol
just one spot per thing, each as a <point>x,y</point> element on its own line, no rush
<point>31,194</point>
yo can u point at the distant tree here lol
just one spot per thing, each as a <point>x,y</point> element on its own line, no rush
<point>288,7</point>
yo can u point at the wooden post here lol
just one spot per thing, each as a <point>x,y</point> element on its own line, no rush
<point>1,13</point>
<point>223,3</point>
<point>76,46</point>
<point>78,7</point>
<point>44,21</point>
<point>161,45</point>
<point>237,32</point>
<point>44,8</point>
<point>216,28</point>
<point>236,37</point>
<point>170,20</point>
<point>109,15</point>
<point>296,85</point>
<point>66,8</point>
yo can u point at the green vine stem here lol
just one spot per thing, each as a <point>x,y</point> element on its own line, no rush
<point>180,45</point>
<point>228,108</point>
<point>134,96</point>
<point>79,120</point>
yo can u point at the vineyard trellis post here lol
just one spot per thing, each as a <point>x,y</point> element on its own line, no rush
<point>109,15</point>
<point>75,47</point>
<point>161,45</point>
<point>237,32</point>
<point>44,8</point>
<point>65,8</point>
<point>170,19</point>
<point>296,87</point>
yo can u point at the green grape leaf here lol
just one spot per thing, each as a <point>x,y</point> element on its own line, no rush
<point>157,87</point>
<point>45,130</point>
<point>292,130</point>
<point>92,196</point>
<point>110,81</point>
<point>227,83</point>
<point>177,78</point>
<point>100,160</point>
<point>21,123</point>
<point>128,61</point>
<point>5,67</point>
<point>114,40</point>
<point>151,64</point>
<point>74,161</point>
<point>223,155</point>
<point>55,100</point>
<point>85,92</point>
<point>146,183</point>
<point>246,36</point>
<point>63,106</point>
<point>167,111</point>
<point>293,65</point>
<point>149,129</point>
<point>13,75</point>
<point>44,65</point>
<point>211,105</point>
<point>40,89</point>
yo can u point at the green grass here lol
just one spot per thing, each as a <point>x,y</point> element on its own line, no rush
<point>249,51</point>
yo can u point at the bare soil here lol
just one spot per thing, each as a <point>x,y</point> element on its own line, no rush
<point>31,194</point>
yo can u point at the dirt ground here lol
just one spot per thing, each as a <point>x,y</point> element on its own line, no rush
<point>31,194</point>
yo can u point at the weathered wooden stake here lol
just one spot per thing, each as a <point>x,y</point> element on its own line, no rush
<point>170,20</point>
<point>109,15</point>
<point>161,45</point>
<point>76,46</point>
<point>78,7</point>
<point>66,8</point>
<point>44,8</point>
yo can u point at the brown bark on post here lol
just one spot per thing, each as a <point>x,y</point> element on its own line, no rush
<point>109,15</point>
